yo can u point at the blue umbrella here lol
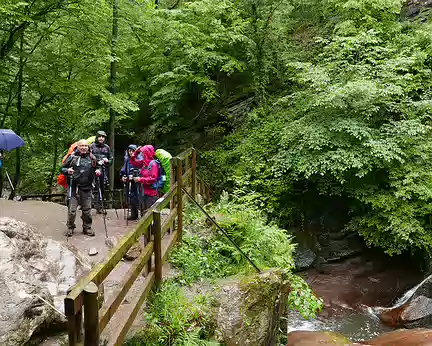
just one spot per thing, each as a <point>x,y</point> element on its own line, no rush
<point>9,140</point>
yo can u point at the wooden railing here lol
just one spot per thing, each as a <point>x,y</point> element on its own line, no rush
<point>86,320</point>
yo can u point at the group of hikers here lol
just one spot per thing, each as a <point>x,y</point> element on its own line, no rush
<point>85,172</point>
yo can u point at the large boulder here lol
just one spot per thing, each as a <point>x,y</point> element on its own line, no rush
<point>415,312</point>
<point>32,270</point>
<point>248,309</point>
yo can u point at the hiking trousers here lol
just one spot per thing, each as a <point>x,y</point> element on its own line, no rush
<point>84,199</point>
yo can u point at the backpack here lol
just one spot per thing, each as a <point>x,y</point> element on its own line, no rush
<point>164,159</point>
<point>161,179</point>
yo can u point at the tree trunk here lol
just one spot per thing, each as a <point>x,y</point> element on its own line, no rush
<point>113,88</point>
<point>19,116</point>
<point>53,169</point>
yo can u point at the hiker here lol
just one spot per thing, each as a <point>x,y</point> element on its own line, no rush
<point>127,173</point>
<point>82,167</point>
<point>103,155</point>
<point>148,175</point>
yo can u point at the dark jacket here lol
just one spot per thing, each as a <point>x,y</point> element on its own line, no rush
<point>128,166</point>
<point>84,167</point>
<point>101,151</point>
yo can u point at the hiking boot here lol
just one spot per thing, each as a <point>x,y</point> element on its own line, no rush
<point>89,232</point>
<point>69,232</point>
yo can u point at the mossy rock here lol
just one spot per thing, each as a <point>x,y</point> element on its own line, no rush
<point>247,308</point>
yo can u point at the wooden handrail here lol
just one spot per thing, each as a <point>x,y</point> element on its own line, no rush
<point>77,296</point>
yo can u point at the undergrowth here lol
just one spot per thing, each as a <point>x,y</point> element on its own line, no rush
<point>172,319</point>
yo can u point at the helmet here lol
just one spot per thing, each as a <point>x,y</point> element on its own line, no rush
<point>101,133</point>
<point>132,147</point>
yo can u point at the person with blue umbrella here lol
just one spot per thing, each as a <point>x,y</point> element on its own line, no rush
<point>9,140</point>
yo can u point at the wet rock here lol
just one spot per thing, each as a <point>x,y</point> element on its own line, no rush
<point>403,337</point>
<point>31,268</point>
<point>304,258</point>
<point>309,338</point>
<point>247,310</point>
<point>416,312</point>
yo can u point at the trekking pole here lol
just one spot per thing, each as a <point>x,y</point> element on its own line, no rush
<point>223,232</point>
<point>129,196</point>
<point>69,200</point>
<point>121,200</point>
<point>103,208</point>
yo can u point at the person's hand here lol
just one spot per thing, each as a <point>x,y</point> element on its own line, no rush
<point>136,179</point>
<point>124,179</point>
<point>98,173</point>
<point>70,171</point>
<point>105,160</point>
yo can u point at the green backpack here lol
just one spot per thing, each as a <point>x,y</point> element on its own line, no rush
<point>164,158</point>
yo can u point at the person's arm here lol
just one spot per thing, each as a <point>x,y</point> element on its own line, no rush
<point>66,165</point>
<point>110,157</point>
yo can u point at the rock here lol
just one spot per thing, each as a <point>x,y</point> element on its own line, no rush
<point>92,251</point>
<point>308,338</point>
<point>403,337</point>
<point>134,252</point>
<point>416,312</point>
<point>304,258</point>
<point>247,310</point>
<point>31,266</point>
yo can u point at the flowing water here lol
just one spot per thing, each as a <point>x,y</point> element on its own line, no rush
<point>355,292</point>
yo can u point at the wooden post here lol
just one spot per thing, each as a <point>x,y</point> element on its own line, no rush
<point>179,199</point>
<point>147,237</point>
<point>194,174</point>
<point>207,193</point>
<point>91,315</point>
<point>74,327</point>
<point>173,163</point>
<point>157,232</point>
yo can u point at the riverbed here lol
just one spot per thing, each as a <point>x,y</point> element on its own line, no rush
<point>352,290</point>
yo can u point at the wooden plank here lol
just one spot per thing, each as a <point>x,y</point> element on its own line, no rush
<point>102,270</point>
<point>124,286</point>
<point>120,333</point>
<point>166,251</point>
<point>168,221</point>
<point>184,154</point>
<point>91,315</point>
<point>165,199</point>
<point>157,247</point>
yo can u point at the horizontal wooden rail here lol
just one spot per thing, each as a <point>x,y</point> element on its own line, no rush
<point>122,329</point>
<point>73,300</point>
<point>124,286</point>
<point>184,154</point>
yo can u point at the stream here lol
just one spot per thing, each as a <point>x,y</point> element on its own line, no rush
<point>355,291</point>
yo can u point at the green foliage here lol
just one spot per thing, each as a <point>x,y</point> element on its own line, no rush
<point>207,254</point>
<point>355,125</point>
<point>174,320</point>
<point>214,256</point>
